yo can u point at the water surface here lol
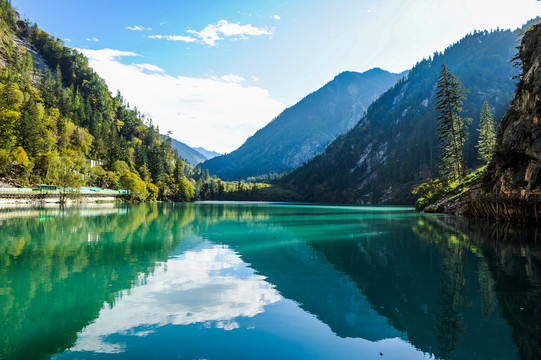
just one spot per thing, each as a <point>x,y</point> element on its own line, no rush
<point>264,281</point>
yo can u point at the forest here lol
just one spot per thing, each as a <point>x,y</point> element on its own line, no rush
<point>60,124</point>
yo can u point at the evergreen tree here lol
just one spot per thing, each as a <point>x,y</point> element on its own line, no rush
<point>29,125</point>
<point>58,84</point>
<point>452,128</point>
<point>178,172</point>
<point>487,135</point>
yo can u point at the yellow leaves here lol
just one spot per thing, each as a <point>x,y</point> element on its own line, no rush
<point>153,192</point>
<point>119,125</point>
<point>80,138</point>
<point>136,141</point>
<point>20,157</point>
<point>138,188</point>
<point>55,114</point>
<point>11,115</point>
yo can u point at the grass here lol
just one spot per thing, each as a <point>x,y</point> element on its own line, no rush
<point>434,190</point>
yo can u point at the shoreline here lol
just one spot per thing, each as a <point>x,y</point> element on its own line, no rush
<point>55,200</point>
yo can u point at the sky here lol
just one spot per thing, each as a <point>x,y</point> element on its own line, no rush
<point>214,72</point>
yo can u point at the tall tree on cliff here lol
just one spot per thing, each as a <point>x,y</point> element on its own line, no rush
<point>452,128</point>
<point>487,135</point>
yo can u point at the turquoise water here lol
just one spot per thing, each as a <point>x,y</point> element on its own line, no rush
<point>265,281</point>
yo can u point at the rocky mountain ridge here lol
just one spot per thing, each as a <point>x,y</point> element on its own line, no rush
<point>305,128</point>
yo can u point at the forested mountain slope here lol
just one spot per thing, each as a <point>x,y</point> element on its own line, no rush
<point>395,145</point>
<point>57,114</point>
<point>304,129</point>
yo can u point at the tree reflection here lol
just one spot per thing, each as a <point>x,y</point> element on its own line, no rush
<point>508,273</point>
<point>451,299</point>
<point>58,268</point>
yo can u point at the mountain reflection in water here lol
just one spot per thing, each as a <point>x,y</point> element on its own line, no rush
<point>226,280</point>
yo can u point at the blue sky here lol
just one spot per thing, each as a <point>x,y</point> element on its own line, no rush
<point>213,72</point>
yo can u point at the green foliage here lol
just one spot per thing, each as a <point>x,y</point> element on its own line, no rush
<point>434,190</point>
<point>245,191</point>
<point>5,162</point>
<point>185,190</point>
<point>137,188</point>
<point>103,179</point>
<point>153,192</point>
<point>120,167</point>
<point>487,134</point>
<point>427,191</point>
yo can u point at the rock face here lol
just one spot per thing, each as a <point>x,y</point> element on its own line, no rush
<point>516,168</point>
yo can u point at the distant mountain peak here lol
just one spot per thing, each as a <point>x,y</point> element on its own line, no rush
<point>305,128</point>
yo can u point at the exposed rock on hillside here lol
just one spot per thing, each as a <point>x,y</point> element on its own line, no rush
<point>516,169</point>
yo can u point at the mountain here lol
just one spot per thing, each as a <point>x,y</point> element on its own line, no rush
<point>395,145</point>
<point>207,153</point>
<point>188,153</point>
<point>304,129</point>
<point>192,155</point>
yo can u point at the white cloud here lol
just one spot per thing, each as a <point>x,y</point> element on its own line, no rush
<point>138,28</point>
<point>93,39</point>
<point>276,17</point>
<point>149,67</point>
<point>255,78</point>
<point>106,54</point>
<point>231,78</point>
<point>217,113</point>
<point>213,33</point>
<point>187,39</point>
<point>201,286</point>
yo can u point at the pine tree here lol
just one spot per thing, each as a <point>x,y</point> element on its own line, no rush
<point>452,128</point>
<point>58,84</point>
<point>487,135</point>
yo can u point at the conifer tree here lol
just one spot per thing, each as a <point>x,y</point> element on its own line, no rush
<point>451,127</point>
<point>487,135</point>
<point>58,83</point>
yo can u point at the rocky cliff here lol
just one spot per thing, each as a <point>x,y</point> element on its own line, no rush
<point>516,167</point>
<point>511,187</point>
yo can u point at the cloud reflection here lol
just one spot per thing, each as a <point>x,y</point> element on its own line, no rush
<point>210,285</point>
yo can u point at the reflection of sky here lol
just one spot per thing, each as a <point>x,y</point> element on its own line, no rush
<point>211,286</point>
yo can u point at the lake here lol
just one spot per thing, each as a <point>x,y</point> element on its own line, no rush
<point>265,281</point>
